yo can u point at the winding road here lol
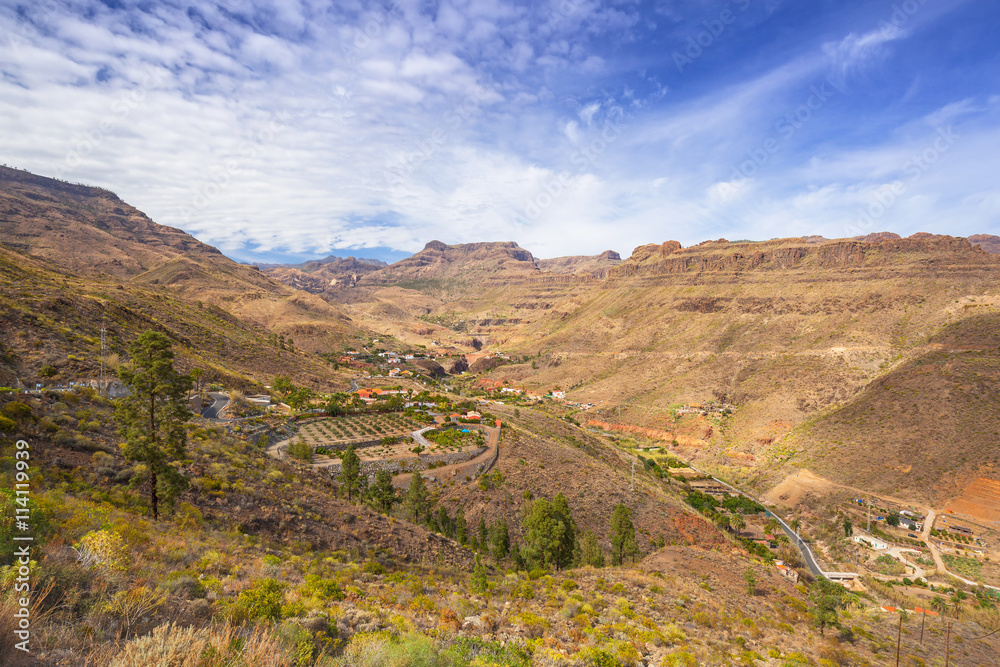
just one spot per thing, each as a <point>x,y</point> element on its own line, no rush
<point>796,539</point>
<point>219,403</point>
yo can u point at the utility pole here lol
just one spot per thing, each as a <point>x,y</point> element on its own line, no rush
<point>633,475</point>
<point>923,618</point>
<point>899,637</point>
<point>100,382</point>
<point>947,646</point>
<point>869,515</point>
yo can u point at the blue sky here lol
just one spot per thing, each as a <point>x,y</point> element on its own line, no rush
<point>294,129</point>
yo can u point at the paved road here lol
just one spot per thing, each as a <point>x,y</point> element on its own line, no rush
<point>219,403</point>
<point>418,436</point>
<point>807,554</point>
<point>354,384</point>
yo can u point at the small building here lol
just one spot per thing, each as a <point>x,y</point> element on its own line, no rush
<point>870,542</point>
<point>787,572</point>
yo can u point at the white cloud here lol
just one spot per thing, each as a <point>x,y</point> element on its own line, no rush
<point>343,126</point>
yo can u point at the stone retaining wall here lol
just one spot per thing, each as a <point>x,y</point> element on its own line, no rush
<point>369,468</point>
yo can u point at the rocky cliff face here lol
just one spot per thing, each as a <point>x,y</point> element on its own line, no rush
<point>879,251</point>
<point>595,265</point>
<point>467,262</point>
<point>987,242</point>
<point>323,275</point>
<point>90,232</point>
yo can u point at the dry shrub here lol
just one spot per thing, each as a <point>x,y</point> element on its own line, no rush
<point>170,645</point>
<point>9,653</point>
<point>131,605</point>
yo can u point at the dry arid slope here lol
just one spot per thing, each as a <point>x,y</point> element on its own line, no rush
<point>73,256</point>
<point>542,456</point>
<point>786,329</point>
<point>50,325</point>
<point>932,422</point>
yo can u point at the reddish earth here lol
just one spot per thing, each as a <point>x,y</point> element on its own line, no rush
<point>980,500</point>
<point>651,433</point>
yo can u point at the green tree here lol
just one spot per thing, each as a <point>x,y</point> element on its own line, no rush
<point>543,535</point>
<point>416,502</point>
<point>590,550</point>
<point>196,375</point>
<point>721,520</point>
<point>848,528</point>
<point>892,519</point>
<point>827,598</point>
<point>482,533</point>
<point>151,418</point>
<point>622,536</point>
<point>445,522</point>
<point>282,385</point>
<point>461,529</point>
<point>568,547</point>
<point>351,480</point>
<point>299,398</point>
<point>499,540</point>
<point>939,604</point>
<point>479,583</point>
<point>738,523</point>
<point>382,493</point>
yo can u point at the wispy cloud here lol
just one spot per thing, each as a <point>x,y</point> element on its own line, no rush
<point>291,126</point>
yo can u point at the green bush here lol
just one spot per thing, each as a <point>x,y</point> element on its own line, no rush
<point>300,450</point>
<point>7,425</point>
<point>262,601</point>
<point>325,589</point>
<point>595,657</point>
<point>374,567</point>
<point>17,410</point>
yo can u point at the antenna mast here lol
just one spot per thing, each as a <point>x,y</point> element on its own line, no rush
<point>101,383</point>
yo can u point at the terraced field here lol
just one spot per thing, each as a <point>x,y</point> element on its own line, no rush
<point>356,428</point>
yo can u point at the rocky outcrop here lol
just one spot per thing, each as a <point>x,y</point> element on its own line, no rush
<point>987,242</point>
<point>485,364</point>
<point>475,262</point>
<point>875,250</point>
<point>595,265</point>
<point>431,367</point>
<point>323,275</point>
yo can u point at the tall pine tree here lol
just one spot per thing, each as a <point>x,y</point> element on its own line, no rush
<point>352,481</point>
<point>416,502</point>
<point>382,494</point>
<point>151,418</point>
<point>622,536</point>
